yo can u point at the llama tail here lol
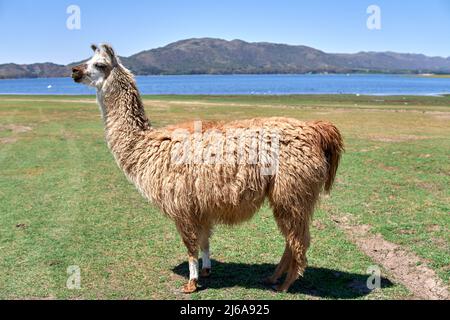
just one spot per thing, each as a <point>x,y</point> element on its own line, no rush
<point>332,146</point>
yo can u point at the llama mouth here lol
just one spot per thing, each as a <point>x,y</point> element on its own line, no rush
<point>77,77</point>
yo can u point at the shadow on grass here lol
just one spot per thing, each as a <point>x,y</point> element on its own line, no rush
<point>319,282</point>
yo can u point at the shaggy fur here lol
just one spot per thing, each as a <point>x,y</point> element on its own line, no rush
<point>196,196</point>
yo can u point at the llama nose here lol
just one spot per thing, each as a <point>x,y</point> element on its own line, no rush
<point>77,73</point>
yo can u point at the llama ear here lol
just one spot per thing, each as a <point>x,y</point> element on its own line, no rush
<point>110,52</point>
<point>94,47</point>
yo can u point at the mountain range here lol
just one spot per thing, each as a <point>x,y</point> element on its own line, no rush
<point>217,56</point>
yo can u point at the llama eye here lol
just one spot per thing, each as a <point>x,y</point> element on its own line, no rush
<point>100,66</point>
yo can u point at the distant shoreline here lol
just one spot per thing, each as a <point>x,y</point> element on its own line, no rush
<point>440,95</point>
<point>421,75</point>
<point>432,75</point>
<point>424,75</point>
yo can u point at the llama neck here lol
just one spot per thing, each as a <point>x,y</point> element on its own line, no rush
<point>123,114</point>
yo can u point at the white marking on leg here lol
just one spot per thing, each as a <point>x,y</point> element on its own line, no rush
<point>193,269</point>
<point>206,262</point>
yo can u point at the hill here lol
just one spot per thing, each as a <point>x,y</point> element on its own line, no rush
<point>217,56</point>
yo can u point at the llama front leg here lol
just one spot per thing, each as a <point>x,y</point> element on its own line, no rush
<point>206,264</point>
<point>192,284</point>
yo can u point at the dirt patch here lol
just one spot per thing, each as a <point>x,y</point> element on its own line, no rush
<point>32,172</point>
<point>440,242</point>
<point>318,225</point>
<point>50,297</point>
<point>442,116</point>
<point>433,228</point>
<point>15,128</point>
<point>387,168</point>
<point>427,186</point>
<point>7,140</point>
<point>369,149</point>
<point>404,267</point>
<point>407,231</point>
<point>399,138</point>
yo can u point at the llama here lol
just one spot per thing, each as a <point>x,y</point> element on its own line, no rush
<point>198,195</point>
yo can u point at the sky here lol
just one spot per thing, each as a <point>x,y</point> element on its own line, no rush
<point>36,31</point>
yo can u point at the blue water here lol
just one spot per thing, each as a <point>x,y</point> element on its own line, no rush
<point>248,84</point>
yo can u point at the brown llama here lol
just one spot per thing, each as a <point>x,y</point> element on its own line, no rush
<point>168,166</point>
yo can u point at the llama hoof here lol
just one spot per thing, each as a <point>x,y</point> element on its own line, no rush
<point>205,272</point>
<point>190,287</point>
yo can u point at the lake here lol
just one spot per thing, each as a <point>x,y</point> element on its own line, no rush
<point>249,84</point>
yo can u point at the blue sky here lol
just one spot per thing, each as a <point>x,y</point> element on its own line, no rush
<point>35,31</point>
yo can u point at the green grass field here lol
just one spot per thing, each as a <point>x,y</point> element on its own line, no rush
<point>64,202</point>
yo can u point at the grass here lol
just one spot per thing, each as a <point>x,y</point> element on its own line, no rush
<point>64,202</point>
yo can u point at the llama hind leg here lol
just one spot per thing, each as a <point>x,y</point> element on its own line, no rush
<point>298,240</point>
<point>281,268</point>
<point>294,225</point>
<point>295,270</point>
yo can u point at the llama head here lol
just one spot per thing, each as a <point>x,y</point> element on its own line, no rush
<point>96,70</point>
